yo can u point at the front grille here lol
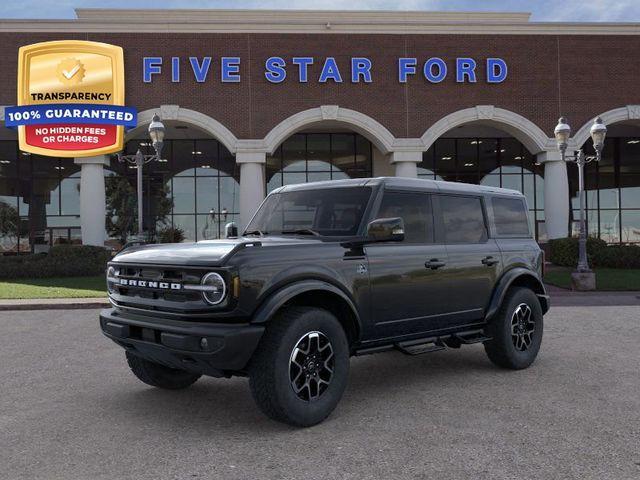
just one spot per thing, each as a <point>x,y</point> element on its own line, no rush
<point>155,288</point>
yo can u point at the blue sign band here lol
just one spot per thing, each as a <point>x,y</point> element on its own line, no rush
<point>70,113</point>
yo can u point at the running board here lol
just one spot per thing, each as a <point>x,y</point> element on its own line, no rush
<point>429,344</point>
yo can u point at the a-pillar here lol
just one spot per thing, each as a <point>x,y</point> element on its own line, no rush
<point>556,194</point>
<point>406,163</point>
<point>252,184</point>
<point>93,208</point>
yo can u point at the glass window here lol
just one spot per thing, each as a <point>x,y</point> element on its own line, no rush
<point>510,217</point>
<point>463,219</point>
<point>445,158</point>
<point>330,211</point>
<point>415,211</point>
<point>314,157</point>
<point>183,195</point>
<point>631,226</point>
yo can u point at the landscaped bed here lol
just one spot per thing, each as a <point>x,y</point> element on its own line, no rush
<point>607,279</point>
<point>69,287</point>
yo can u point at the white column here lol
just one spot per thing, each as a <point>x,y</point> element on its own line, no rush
<point>93,208</point>
<point>406,163</point>
<point>252,184</point>
<point>556,194</point>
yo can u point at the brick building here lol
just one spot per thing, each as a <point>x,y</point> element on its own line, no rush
<point>256,99</point>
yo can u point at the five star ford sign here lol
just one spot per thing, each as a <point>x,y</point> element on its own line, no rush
<point>70,99</point>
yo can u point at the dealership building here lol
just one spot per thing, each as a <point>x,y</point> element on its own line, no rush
<point>253,100</point>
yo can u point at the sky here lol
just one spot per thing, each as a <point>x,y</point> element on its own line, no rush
<point>542,10</point>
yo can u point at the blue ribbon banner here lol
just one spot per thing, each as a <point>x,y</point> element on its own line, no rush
<point>70,113</point>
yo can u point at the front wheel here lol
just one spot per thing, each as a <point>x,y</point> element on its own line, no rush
<point>516,330</point>
<point>300,369</point>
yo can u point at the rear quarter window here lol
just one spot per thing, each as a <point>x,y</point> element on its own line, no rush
<point>510,217</point>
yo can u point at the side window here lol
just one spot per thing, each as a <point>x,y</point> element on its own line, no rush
<point>415,211</point>
<point>463,219</point>
<point>510,216</point>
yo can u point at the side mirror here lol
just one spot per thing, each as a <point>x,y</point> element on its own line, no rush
<point>386,230</point>
<point>230,230</point>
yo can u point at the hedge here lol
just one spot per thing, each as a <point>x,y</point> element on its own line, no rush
<point>564,252</point>
<point>61,261</point>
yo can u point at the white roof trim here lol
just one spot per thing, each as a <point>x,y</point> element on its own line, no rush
<point>311,21</point>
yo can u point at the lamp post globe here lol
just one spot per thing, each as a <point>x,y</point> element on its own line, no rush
<point>562,133</point>
<point>598,133</point>
<point>156,133</point>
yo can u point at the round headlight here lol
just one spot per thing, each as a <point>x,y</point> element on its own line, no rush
<point>215,288</point>
<point>111,273</point>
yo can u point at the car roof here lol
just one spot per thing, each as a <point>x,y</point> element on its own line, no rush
<point>402,182</point>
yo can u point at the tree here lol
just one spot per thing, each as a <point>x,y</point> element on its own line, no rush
<point>122,208</point>
<point>9,222</point>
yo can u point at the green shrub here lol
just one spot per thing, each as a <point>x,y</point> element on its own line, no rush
<point>171,235</point>
<point>61,261</point>
<point>564,252</point>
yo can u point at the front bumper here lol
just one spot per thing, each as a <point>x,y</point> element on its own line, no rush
<point>208,348</point>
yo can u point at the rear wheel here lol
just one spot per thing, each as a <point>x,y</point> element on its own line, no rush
<point>158,375</point>
<point>300,369</point>
<point>516,330</point>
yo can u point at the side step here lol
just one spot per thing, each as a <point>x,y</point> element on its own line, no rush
<point>469,338</point>
<point>420,346</point>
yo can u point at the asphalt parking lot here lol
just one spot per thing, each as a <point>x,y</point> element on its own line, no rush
<point>69,408</point>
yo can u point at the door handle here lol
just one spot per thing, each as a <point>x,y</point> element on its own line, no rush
<point>434,264</point>
<point>489,261</point>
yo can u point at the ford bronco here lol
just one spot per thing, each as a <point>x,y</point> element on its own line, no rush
<point>325,271</point>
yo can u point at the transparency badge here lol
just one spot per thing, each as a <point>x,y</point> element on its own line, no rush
<point>70,99</point>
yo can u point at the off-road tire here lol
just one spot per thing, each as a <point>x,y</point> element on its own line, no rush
<point>269,368</point>
<point>501,349</point>
<point>158,375</point>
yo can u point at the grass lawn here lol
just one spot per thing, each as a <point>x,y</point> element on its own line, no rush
<point>71,287</point>
<point>606,278</point>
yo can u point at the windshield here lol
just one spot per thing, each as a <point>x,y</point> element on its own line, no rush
<point>328,212</point>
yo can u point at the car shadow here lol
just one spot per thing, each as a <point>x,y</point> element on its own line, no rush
<point>227,405</point>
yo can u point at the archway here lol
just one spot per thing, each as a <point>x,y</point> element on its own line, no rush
<point>195,186</point>
<point>612,185</point>
<point>486,152</point>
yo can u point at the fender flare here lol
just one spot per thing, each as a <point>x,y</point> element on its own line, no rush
<point>507,280</point>
<point>277,299</point>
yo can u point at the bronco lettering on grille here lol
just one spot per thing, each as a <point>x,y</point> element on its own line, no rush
<point>150,284</point>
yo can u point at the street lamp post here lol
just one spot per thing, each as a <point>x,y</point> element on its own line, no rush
<point>156,133</point>
<point>562,133</point>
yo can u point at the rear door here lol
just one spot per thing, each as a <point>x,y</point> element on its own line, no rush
<point>408,294</point>
<point>475,261</point>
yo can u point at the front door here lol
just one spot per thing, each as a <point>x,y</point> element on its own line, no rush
<point>408,294</point>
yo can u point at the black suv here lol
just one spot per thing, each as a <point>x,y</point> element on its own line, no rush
<point>325,271</point>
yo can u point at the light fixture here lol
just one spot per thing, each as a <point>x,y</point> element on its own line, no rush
<point>598,132</point>
<point>5,161</point>
<point>156,133</point>
<point>562,133</point>
<point>517,158</point>
<point>502,150</point>
<point>476,142</point>
<point>446,158</point>
<point>196,152</point>
<point>58,168</point>
<point>469,164</point>
<point>205,166</point>
<point>632,142</point>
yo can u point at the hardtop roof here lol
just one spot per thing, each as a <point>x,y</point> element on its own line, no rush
<point>402,182</point>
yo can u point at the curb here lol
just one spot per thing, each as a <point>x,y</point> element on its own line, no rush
<point>54,304</point>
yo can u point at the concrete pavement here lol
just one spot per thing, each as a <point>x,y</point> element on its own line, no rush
<point>70,409</point>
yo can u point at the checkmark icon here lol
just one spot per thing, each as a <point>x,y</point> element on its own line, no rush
<point>71,73</point>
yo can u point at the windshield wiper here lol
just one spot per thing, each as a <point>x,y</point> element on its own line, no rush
<point>302,231</point>
<point>255,232</point>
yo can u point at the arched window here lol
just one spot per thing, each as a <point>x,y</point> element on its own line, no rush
<point>313,157</point>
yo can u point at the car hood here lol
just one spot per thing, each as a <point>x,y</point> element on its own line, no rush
<point>205,253</point>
